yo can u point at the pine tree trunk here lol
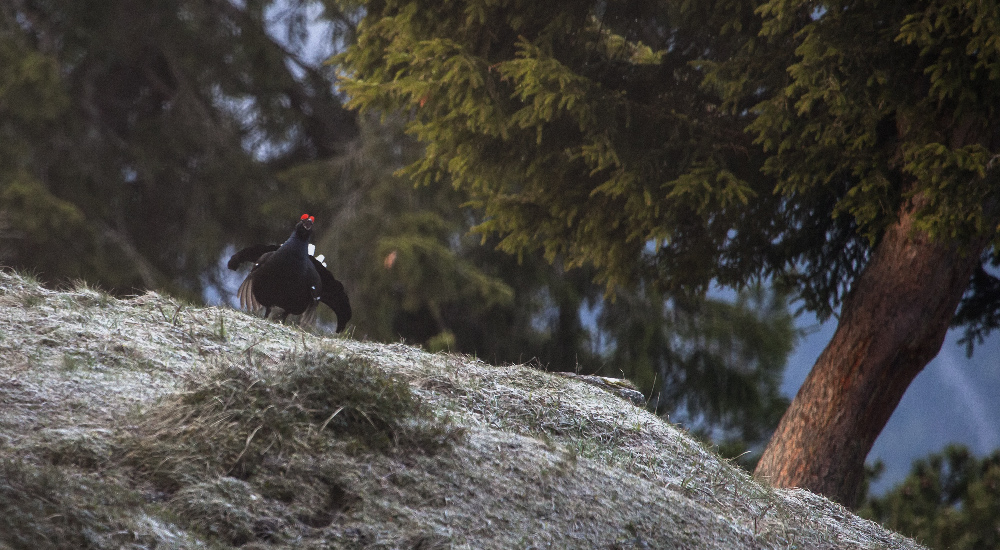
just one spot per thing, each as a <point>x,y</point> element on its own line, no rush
<point>892,323</point>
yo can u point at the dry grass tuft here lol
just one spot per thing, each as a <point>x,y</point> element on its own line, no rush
<point>153,423</point>
<point>231,418</point>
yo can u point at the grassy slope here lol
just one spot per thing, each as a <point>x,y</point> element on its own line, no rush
<point>148,423</point>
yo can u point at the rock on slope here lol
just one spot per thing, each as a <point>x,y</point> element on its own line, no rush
<point>149,423</point>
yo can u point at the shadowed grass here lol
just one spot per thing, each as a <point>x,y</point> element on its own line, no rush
<point>44,507</point>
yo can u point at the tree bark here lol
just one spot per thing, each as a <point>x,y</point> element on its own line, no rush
<point>892,323</point>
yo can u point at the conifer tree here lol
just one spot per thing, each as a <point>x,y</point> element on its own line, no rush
<point>890,110</point>
<point>844,149</point>
<point>950,500</point>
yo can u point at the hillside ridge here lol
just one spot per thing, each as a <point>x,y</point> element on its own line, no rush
<point>151,423</point>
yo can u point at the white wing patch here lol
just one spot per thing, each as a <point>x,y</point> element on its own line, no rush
<point>312,252</point>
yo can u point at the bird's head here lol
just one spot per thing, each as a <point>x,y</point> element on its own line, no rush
<point>303,229</point>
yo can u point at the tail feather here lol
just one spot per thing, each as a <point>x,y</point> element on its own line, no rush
<point>308,317</point>
<point>247,300</point>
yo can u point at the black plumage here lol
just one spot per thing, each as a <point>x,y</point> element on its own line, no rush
<point>287,277</point>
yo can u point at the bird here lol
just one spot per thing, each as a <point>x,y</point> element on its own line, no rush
<point>288,277</point>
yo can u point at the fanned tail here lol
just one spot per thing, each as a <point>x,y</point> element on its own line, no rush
<point>247,301</point>
<point>308,316</point>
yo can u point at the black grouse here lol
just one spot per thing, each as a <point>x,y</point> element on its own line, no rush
<point>289,278</point>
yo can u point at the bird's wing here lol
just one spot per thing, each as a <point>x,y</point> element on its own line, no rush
<point>250,254</point>
<point>333,295</point>
<point>245,292</point>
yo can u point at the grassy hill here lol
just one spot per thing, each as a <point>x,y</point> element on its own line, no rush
<point>151,423</point>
